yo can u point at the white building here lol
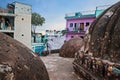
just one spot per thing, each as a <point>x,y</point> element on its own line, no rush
<point>15,21</point>
<point>53,33</point>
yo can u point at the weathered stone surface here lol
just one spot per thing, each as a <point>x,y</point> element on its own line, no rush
<point>100,58</point>
<point>17,62</point>
<point>105,34</point>
<point>70,47</point>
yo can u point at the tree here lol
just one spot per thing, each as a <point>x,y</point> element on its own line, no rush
<point>37,20</point>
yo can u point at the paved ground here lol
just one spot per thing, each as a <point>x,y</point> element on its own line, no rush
<point>59,68</point>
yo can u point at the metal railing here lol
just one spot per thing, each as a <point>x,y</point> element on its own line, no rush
<point>81,12</point>
<point>2,10</point>
<point>6,28</point>
<point>76,31</point>
<point>102,7</point>
<point>89,11</point>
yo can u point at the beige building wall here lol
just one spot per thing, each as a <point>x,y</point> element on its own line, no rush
<point>21,8</point>
<point>21,18</point>
<point>22,30</point>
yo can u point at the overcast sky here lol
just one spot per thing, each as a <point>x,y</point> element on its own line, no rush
<point>54,10</point>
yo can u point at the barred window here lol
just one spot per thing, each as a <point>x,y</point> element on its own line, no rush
<point>71,24</point>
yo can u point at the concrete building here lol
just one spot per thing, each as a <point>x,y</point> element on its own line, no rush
<point>15,21</point>
<point>53,33</point>
<point>78,23</point>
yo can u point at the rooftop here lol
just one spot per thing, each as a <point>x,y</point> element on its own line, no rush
<point>82,14</point>
<point>21,3</point>
<point>86,14</point>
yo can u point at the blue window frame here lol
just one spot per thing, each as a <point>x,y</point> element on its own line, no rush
<point>71,24</point>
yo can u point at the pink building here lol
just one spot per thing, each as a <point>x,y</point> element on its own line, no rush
<point>78,23</point>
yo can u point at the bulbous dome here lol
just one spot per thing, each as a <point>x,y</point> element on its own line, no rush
<point>105,34</point>
<point>17,62</point>
<point>70,47</point>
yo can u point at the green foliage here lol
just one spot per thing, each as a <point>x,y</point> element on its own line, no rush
<point>37,19</point>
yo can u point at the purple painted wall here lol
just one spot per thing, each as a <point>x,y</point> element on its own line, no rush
<point>71,30</point>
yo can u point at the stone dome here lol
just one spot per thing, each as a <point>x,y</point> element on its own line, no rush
<point>104,34</point>
<point>17,62</point>
<point>70,47</point>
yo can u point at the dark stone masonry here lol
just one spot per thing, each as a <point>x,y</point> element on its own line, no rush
<point>100,58</point>
<point>17,62</point>
<point>70,47</point>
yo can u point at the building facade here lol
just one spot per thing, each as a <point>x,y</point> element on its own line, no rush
<point>78,23</point>
<point>15,21</point>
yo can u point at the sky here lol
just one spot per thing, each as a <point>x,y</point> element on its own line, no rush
<point>54,10</point>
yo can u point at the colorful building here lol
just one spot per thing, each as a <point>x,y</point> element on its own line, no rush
<point>77,23</point>
<point>38,42</point>
<point>54,33</point>
<point>15,21</point>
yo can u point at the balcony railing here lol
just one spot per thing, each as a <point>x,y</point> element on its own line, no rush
<point>81,13</point>
<point>102,7</point>
<point>76,32</point>
<point>11,28</point>
<point>6,11</point>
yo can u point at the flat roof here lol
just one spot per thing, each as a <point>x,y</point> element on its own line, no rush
<point>81,16</point>
<point>21,3</point>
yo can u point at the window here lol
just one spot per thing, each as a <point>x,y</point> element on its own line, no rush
<point>72,36</point>
<point>22,18</point>
<point>81,37</point>
<point>22,34</point>
<point>75,25</point>
<point>71,24</point>
<point>87,24</point>
<point>81,26</point>
<point>27,9</point>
